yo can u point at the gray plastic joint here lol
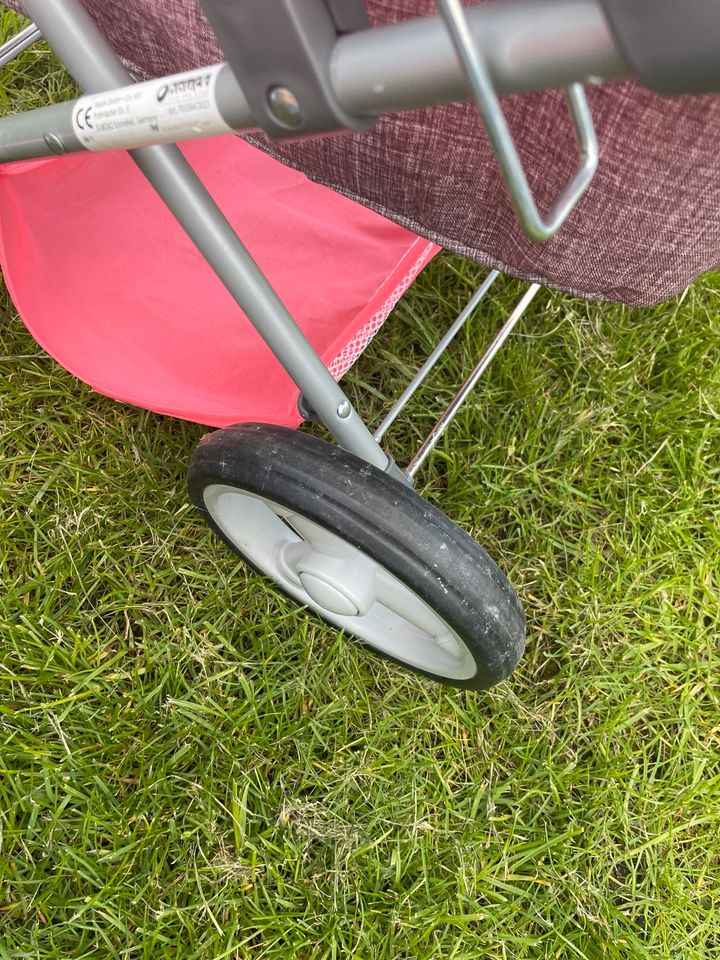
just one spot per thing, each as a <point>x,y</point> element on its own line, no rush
<point>280,54</point>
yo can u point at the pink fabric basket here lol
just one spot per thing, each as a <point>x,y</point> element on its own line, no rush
<point>109,284</point>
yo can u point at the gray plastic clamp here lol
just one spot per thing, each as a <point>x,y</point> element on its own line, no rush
<point>280,53</point>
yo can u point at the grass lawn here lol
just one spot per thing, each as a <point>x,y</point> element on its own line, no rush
<point>190,768</point>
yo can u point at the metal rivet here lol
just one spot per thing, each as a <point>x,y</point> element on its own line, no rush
<point>344,409</point>
<point>285,107</point>
<point>53,143</point>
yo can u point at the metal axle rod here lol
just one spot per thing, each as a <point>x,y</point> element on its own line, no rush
<point>439,350</point>
<point>461,396</point>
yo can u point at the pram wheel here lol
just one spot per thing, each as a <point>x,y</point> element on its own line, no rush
<point>363,550</point>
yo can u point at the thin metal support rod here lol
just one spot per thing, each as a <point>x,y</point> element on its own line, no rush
<point>488,106</point>
<point>74,36</point>
<point>16,45</point>
<point>461,396</point>
<point>439,350</point>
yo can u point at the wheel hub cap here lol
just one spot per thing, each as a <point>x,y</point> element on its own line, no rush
<point>340,585</point>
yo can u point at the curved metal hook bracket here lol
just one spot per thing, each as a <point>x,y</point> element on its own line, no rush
<point>491,113</point>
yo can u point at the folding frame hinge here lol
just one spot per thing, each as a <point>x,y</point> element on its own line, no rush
<point>280,53</point>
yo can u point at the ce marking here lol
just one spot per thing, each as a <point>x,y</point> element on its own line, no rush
<point>84,118</point>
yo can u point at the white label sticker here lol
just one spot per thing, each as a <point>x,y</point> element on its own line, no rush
<point>181,107</point>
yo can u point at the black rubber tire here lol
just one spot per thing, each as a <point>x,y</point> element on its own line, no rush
<point>385,519</point>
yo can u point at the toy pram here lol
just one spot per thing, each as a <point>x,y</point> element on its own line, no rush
<point>339,527</point>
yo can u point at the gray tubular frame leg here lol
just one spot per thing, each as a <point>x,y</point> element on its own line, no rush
<point>73,35</point>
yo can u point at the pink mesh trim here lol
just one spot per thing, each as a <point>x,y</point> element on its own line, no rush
<point>352,350</point>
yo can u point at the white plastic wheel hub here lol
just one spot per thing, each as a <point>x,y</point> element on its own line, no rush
<point>345,586</point>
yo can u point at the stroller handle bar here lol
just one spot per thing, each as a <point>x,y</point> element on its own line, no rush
<point>526,45</point>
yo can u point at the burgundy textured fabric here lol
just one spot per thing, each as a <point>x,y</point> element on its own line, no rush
<point>648,226</point>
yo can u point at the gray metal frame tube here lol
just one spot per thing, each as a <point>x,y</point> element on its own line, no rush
<point>525,44</point>
<point>87,55</point>
<point>38,133</point>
